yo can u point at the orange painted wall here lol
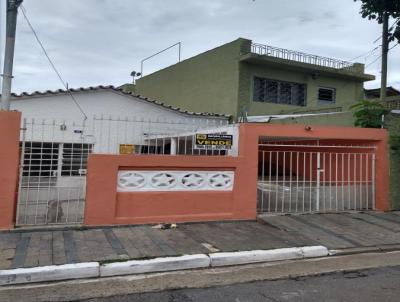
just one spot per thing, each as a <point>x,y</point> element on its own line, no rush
<point>105,206</point>
<point>250,133</point>
<point>9,162</point>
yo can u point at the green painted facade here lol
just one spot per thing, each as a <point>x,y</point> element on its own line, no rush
<point>221,81</point>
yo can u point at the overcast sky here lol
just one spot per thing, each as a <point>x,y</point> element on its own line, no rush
<point>99,42</point>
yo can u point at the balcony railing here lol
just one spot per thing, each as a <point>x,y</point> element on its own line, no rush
<point>301,57</point>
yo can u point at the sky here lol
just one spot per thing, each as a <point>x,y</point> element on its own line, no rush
<point>99,42</point>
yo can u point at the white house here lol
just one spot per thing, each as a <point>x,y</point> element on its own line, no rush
<point>60,129</point>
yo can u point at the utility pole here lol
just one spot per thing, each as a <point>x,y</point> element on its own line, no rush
<point>385,50</point>
<point>12,11</point>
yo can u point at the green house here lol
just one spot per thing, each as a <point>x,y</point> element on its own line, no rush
<point>243,78</point>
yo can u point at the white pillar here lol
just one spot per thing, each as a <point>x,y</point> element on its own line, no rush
<point>173,146</point>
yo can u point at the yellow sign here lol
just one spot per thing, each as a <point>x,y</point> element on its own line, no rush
<point>213,141</point>
<point>126,149</point>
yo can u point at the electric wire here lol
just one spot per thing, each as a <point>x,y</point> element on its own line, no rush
<point>390,28</point>
<point>369,64</point>
<point>51,62</point>
<point>366,55</point>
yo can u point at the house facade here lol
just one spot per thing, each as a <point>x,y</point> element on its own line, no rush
<point>61,128</point>
<point>242,77</point>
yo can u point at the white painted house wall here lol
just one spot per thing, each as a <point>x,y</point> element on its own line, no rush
<point>113,118</point>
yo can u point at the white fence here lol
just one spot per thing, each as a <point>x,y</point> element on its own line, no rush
<point>54,157</point>
<point>315,180</point>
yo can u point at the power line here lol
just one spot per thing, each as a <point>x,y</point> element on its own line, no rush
<point>369,53</point>
<point>394,45</point>
<point>366,55</point>
<point>390,28</point>
<point>381,55</point>
<point>373,61</point>
<point>51,62</point>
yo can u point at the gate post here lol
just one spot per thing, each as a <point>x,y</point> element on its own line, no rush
<point>10,123</point>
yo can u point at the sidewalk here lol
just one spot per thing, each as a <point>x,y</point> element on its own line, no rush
<point>32,248</point>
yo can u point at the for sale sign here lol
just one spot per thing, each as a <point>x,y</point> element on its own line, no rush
<point>213,141</point>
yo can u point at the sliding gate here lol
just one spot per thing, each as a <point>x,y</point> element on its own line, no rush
<point>315,178</point>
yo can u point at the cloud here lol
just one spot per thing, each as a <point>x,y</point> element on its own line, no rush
<point>101,41</point>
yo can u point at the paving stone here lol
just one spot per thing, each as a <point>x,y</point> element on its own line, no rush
<point>126,238</point>
<point>58,250</point>
<point>336,231</point>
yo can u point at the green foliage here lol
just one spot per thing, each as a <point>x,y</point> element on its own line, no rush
<point>395,143</point>
<point>368,114</point>
<point>374,10</point>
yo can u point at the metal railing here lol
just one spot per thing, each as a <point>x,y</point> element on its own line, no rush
<point>54,155</point>
<point>286,54</point>
<point>298,181</point>
<point>392,104</point>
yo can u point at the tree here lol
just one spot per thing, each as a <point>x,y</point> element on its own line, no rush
<point>368,114</point>
<point>382,11</point>
<point>377,9</point>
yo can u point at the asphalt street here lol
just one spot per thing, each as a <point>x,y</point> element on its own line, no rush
<point>381,284</point>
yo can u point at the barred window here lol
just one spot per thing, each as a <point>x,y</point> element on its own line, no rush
<point>279,92</point>
<point>326,95</point>
<point>74,159</point>
<point>40,159</point>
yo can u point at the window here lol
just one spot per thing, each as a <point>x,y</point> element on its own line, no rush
<point>279,92</point>
<point>40,159</point>
<point>326,95</point>
<point>74,159</point>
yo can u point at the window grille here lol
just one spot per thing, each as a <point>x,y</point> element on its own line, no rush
<point>326,95</point>
<point>279,92</point>
<point>74,159</point>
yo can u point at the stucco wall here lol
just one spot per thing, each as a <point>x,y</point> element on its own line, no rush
<point>347,93</point>
<point>120,119</point>
<point>9,161</point>
<point>207,82</point>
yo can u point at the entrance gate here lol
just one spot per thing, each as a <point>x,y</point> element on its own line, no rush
<point>52,177</point>
<point>315,178</point>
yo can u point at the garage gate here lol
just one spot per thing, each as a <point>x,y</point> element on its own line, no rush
<point>298,176</point>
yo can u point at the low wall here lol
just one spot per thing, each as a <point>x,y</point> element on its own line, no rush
<point>135,200</point>
<point>9,160</point>
<point>107,204</point>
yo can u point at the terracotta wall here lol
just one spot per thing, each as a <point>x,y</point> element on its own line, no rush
<point>105,206</point>
<point>9,161</point>
<point>250,134</point>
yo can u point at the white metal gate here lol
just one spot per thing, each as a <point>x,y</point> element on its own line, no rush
<point>52,173</point>
<point>315,178</point>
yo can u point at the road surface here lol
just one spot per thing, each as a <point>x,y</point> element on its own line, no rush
<point>381,284</point>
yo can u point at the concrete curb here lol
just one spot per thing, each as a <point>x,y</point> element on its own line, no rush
<point>246,257</point>
<point>49,273</point>
<point>164,264</point>
<point>155,265</point>
<point>101,288</point>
